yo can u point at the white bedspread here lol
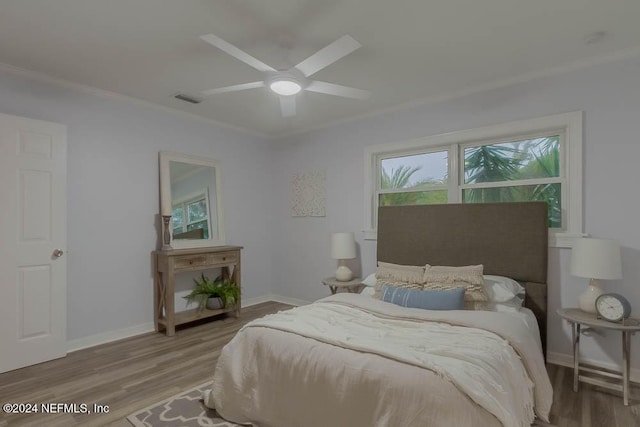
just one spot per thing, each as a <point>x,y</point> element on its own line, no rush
<point>467,349</point>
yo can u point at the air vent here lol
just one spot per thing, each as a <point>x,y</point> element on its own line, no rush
<point>187,98</point>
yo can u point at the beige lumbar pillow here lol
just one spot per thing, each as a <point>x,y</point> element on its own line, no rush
<point>399,276</point>
<point>468,277</point>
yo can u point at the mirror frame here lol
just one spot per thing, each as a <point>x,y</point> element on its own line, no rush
<point>165,197</point>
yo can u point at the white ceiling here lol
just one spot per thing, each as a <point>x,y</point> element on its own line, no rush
<point>411,50</point>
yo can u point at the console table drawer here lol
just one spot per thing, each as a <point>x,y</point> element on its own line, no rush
<point>203,260</point>
<point>190,261</point>
<point>223,257</point>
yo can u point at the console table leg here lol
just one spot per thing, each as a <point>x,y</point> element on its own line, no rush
<point>156,299</point>
<point>169,305</point>
<point>626,349</point>
<point>576,354</point>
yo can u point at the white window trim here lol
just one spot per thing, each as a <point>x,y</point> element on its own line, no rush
<point>569,123</point>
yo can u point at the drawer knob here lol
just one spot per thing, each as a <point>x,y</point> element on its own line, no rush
<point>190,262</point>
<point>224,258</point>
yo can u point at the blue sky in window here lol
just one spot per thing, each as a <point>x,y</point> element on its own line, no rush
<point>433,166</point>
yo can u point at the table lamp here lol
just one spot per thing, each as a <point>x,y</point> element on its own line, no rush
<point>343,246</point>
<point>595,259</point>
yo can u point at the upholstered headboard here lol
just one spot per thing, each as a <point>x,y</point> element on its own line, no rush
<point>509,239</point>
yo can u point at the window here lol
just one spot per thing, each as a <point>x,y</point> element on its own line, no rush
<point>538,159</point>
<point>515,171</point>
<point>415,179</point>
<point>191,214</point>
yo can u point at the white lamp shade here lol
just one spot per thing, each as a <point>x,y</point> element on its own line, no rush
<point>343,246</point>
<point>596,259</point>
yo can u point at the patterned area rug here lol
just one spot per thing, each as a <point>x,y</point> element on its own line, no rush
<point>187,410</point>
<point>182,410</point>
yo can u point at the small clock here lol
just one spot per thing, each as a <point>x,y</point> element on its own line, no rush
<point>613,307</point>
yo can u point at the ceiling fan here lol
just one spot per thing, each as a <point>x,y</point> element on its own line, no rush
<point>287,83</point>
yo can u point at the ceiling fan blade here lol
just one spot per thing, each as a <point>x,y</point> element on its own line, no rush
<point>233,88</point>
<point>328,55</point>
<point>236,53</point>
<point>337,90</point>
<point>288,105</point>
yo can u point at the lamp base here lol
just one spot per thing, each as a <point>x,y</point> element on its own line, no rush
<point>344,274</point>
<point>588,298</point>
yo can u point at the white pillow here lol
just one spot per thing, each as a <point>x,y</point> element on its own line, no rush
<point>368,290</point>
<point>512,306</point>
<point>502,289</point>
<point>370,280</point>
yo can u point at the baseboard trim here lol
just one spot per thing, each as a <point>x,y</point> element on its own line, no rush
<point>248,302</point>
<point>106,337</point>
<point>110,336</point>
<point>563,359</point>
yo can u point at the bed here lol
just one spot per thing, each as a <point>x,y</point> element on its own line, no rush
<point>352,360</point>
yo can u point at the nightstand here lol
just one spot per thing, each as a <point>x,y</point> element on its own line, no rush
<point>578,318</point>
<point>353,286</point>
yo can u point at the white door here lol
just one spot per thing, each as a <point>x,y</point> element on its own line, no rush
<point>33,272</point>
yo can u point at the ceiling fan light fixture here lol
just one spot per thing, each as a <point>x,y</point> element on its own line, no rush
<point>285,87</point>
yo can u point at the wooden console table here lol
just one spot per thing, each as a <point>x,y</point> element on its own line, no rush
<point>169,263</point>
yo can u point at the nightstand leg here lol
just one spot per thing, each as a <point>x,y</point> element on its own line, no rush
<point>576,354</point>
<point>334,289</point>
<point>626,349</point>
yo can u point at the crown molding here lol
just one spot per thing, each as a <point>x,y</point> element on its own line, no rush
<point>277,137</point>
<point>523,78</point>
<point>105,94</point>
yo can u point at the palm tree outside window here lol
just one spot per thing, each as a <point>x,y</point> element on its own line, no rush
<point>512,170</point>
<point>517,171</point>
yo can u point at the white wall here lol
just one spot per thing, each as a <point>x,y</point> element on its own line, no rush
<point>113,197</point>
<point>113,190</point>
<point>609,94</point>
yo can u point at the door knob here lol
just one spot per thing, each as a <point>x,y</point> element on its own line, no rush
<point>57,253</point>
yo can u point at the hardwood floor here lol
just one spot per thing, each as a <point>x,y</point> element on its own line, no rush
<point>591,406</point>
<point>133,373</point>
<point>126,375</point>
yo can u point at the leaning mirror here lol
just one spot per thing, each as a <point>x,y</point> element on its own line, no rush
<point>190,192</point>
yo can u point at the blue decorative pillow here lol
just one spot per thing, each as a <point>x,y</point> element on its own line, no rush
<point>450,299</point>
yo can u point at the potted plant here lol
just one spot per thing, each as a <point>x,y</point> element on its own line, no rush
<point>213,294</point>
<point>228,290</point>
